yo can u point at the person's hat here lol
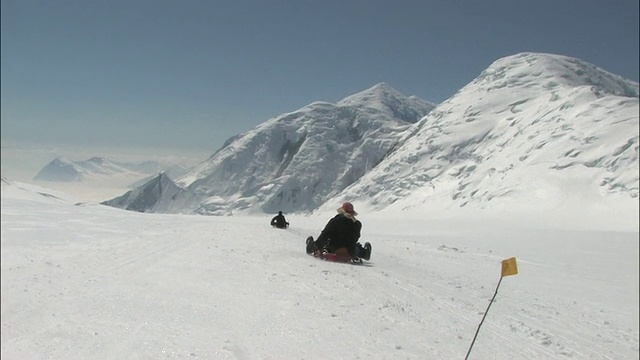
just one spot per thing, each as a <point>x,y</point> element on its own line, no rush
<point>348,208</point>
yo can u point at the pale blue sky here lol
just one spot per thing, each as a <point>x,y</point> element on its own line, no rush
<point>189,74</point>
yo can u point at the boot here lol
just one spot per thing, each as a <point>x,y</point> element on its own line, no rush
<point>311,245</point>
<point>366,251</point>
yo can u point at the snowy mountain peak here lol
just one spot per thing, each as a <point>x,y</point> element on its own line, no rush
<point>60,169</point>
<point>97,160</point>
<point>295,161</point>
<point>546,72</point>
<point>533,130</point>
<point>154,194</point>
<point>383,98</point>
<point>378,92</point>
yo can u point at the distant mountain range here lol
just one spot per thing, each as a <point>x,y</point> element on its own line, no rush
<point>61,169</point>
<point>531,128</point>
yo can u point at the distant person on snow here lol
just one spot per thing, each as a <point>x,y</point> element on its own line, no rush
<point>341,234</point>
<point>279,221</point>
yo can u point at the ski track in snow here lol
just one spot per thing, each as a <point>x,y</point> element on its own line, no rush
<point>95,282</point>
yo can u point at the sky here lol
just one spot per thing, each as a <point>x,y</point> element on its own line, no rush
<point>189,75</point>
<point>86,281</point>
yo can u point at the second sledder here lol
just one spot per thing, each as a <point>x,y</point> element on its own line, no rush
<point>340,237</point>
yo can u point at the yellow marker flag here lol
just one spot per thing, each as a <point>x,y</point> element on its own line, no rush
<point>509,267</point>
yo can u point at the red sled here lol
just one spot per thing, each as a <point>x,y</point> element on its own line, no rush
<point>339,256</point>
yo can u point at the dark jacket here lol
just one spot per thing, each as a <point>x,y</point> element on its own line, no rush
<point>341,231</point>
<point>279,221</point>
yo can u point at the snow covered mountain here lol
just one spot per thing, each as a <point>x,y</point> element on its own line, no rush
<point>158,193</point>
<point>296,161</point>
<point>534,130</point>
<point>62,169</point>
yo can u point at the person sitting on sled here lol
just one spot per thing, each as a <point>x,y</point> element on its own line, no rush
<point>341,234</point>
<point>279,221</point>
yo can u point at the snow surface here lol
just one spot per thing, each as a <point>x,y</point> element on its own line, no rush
<point>86,281</point>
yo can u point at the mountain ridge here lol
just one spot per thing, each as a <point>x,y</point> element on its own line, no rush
<point>62,169</point>
<point>528,123</point>
<point>486,141</point>
<point>324,139</point>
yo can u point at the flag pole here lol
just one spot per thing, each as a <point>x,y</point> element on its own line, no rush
<point>483,317</point>
<point>509,267</point>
